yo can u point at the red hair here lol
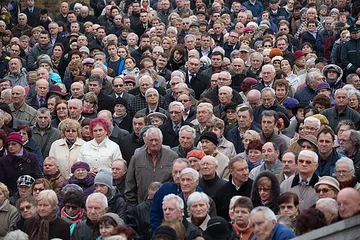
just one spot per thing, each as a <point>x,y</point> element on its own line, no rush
<point>99,121</point>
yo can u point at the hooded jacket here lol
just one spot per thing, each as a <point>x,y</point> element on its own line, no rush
<point>334,84</point>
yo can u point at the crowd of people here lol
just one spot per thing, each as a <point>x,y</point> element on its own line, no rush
<point>182,119</point>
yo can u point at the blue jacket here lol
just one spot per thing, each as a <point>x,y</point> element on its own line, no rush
<point>280,232</point>
<point>256,9</point>
<point>327,166</point>
<point>234,137</point>
<point>306,94</point>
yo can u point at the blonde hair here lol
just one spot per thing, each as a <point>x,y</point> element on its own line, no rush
<point>67,124</point>
<point>5,190</point>
<point>49,195</point>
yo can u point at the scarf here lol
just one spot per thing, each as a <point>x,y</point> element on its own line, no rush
<point>42,230</point>
<point>241,231</point>
<point>77,218</point>
<point>55,61</point>
<point>253,165</point>
<point>70,143</point>
<point>119,119</point>
<point>87,110</point>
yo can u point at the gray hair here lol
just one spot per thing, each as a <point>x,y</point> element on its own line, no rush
<point>104,201</point>
<point>154,130</point>
<point>233,200</point>
<point>308,153</point>
<point>151,90</point>
<point>122,161</point>
<point>268,213</point>
<point>132,35</point>
<point>329,204</point>
<point>256,54</point>
<point>313,120</point>
<point>176,78</point>
<point>179,201</point>
<point>209,106</point>
<point>268,89</point>
<point>172,28</point>
<point>352,92</point>
<point>194,173</point>
<point>218,49</point>
<point>339,90</point>
<point>311,75</point>
<point>43,110</point>
<point>16,235</point>
<point>190,36</point>
<point>187,128</point>
<point>347,161</point>
<point>181,85</point>
<point>76,101</point>
<point>176,103</point>
<point>154,186</point>
<point>269,66</point>
<point>101,66</point>
<point>227,89</point>
<point>180,72</point>
<point>195,197</point>
<point>160,48</point>
<point>146,77</point>
<point>181,160</point>
<point>23,15</point>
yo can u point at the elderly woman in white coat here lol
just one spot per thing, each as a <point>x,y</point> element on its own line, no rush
<point>101,151</point>
<point>198,207</point>
<point>66,150</point>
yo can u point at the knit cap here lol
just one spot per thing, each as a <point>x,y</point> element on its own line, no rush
<point>104,176</point>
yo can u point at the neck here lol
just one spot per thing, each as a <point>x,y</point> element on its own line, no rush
<point>186,195</point>
<point>152,106</point>
<point>243,130</point>
<point>324,156</point>
<point>237,183</point>
<point>209,177</point>
<point>340,108</point>
<point>115,58</point>
<point>306,176</point>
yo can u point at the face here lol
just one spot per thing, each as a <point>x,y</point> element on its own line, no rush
<point>42,88</point>
<point>71,209</point>
<point>325,144</point>
<point>27,210</point>
<point>44,208</point>
<point>24,135</point>
<point>95,209</point>
<point>199,209</point>
<point>254,155</point>
<point>187,183</point>
<point>186,140</point>
<point>14,147</point>
<point>138,124</point>
<point>288,209</point>
<point>267,75</point>
<point>62,110</point>
<point>288,163</point>
<point>207,146</point>
<point>80,173</point>
<point>24,191</point>
<point>269,153</point>
<point>43,120</point>
<point>101,188</point>
<point>325,191</point>
<point>216,61</point>
<point>306,165</point>
<point>282,45</point>
<point>50,167</point>
<point>171,212</point>
<point>193,65</point>
<point>311,128</point>
<point>240,172</point>
<point>203,115</point>
<point>262,227</point>
<point>118,170</point>
<point>44,39</point>
<point>264,191</point>
<point>343,173</point>
<point>94,87</point>
<point>71,133</point>
<point>244,119</point>
<point>268,125</point>
<point>99,133</point>
<point>106,230</point>
<point>154,142</point>
<point>280,92</point>
<point>348,205</point>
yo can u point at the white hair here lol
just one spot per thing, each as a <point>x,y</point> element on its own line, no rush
<point>181,85</point>
<point>172,28</point>
<point>151,90</point>
<point>268,89</point>
<point>154,130</point>
<point>313,120</point>
<point>104,201</point>
<point>308,153</point>
<point>195,197</point>
<point>209,106</point>
<point>212,158</point>
<point>329,204</point>
<point>218,49</point>
<point>269,66</point>
<point>175,78</point>
<point>16,235</point>
<point>160,49</point>
<point>146,77</point>
<point>227,89</point>
<point>346,161</point>
<point>132,35</point>
<point>76,101</point>
<point>194,173</point>
<point>176,103</point>
<point>179,201</point>
<point>176,72</point>
<point>268,213</point>
<point>187,128</point>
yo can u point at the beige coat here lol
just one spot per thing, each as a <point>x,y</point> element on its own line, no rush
<point>223,167</point>
<point>8,216</point>
<point>64,156</point>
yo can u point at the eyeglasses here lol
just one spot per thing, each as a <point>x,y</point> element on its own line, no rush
<point>305,161</point>
<point>324,190</point>
<point>38,189</point>
<point>184,100</point>
<point>344,140</point>
<point>342,172</point>
<point>175,112</point>
<point>223,79</point>
<point>70,130</point>
<point>25,208</point>
<point>12,143</point>
<point>61,108</point>
<point>263,189</point>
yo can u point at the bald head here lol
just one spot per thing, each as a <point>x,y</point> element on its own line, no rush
<point>348,200</point>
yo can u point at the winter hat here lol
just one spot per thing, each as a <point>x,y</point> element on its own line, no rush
<point>323,7</point>
<point>276,58</point>
<point>310,139</point>
<point>84,49</point>
<point>129,78</point>
<point>73,187</point>
<point>119,221</point>
<point>322,85</point>
<point>210,136</point>
<point>290,103</point>
<point>121,100</point>
<point>275,52</point>
<point>252,24</point>
<point>334,10</point>
<point>217,228</point>
<point>45,61</point>
<point>144,129</point>
<point>25,180</point>
<point>297,54</point>
<point>14,137</point>
<point>328,181</point>
<point>322,118</point>
<point>248,29</point>
<point>165,231</point>
<point>196,154</point>
<point>104,176</point>
<point>80,165</point>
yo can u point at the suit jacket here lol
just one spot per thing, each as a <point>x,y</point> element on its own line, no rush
<point>171,138</point>
<point>127,96</point>
<point>139,28</point>
<point>33,19</point>
<point>105,102</point>
<point>33,102</point>
<point>197,84</point>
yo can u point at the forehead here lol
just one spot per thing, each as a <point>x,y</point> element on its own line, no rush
<point>268,146</point>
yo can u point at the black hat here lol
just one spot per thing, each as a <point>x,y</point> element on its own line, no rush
<point>354,28</point>
<point>194,24</point>
<point>200,12</point>
<point>217,228</point>
<point>321,60</point>
<point>121,100</point>
<point>165,231</point>
<point>231,105</point>
<point>300,105</point>
<point>211,137</point>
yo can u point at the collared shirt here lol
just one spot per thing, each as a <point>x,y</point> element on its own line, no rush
<point>205,53</point>
<point>174,127</point>
<point>191,75</point>
<point>186,115</point>
<point>236,187</point>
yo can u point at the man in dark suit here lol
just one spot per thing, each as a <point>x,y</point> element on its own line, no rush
<point>32,13</point>
<point>118,87</point>
<point>144,23</point>
<point>192,80</point>
<point>171,129</point>
<point>104,102</point>
<point>55,36</point>
<point>41,89</point>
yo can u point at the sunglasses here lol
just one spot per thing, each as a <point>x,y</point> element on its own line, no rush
<point>324,190</point>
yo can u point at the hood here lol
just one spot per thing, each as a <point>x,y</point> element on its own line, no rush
<point>337,69</point>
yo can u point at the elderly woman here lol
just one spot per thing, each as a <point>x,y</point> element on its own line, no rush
<point>266,191</point>
<point>90,105</point>
<point>345,173</point>
<point>101,151</point>
<point>281,88</point>
<point>40,185</point>
<point>198,205</point>
<point>354,99</point>
<point>8,213</point>
<point>46,224</point>
<point>289,205</point>
<point>18,162</point>
<point>73,210</point>
<point>29,143</point>
<point>156,118</point>
<point>66,150</point>
<point>327,187</point>
<point>120,116</point>
<point>250,135</point>
<point>61,112</point>
<point>217,126</point>
<point>254,154</point>
<point>82,178</point>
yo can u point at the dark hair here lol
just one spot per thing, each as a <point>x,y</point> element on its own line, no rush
<point>74,197</point>
<point>327,130</point>
<point>298,125</point>
<point>180,48</point>
<point>322,100</point>
<point>309,220</point>
<point>44,181</point>
<point>144,36</point>
<point>288,197</point>
<point>292,152</point>
<point>30,199</point>
<point>270,113</point>
<point>106,220</point>
<point>128,231</point>
<point>244,202</point>
<point>218,53</point>
<point>255,145</point>
<point>58,103</point>
<point>26,128</point>
<point>59,45</point>
<point>43,11</point>
<point>284,118</point>
<point>45,32</point>
<point>347,122</point>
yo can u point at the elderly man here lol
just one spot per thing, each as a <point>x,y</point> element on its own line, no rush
<point>348,200</point>
<point>96,207</point>
<point>153,157</point>
<point>312,126</point>
<point>152,103</point>
<point>345,173</point>
<point>77,90</point>
<point>192,79</point>
<point>341,110</point>
<point>245,117</point>
<point>22,28</point>
<point>307,93</point>
<point>19,108</point>
<point>268,103</point>
<point>156,212</point>
<point>187,136</point>
<point>254,70</point>
<point>17,74</point>
<point>170,129</point>
<point>210,181</point>
<point>238,184</point>
<point>173,210</point>
<point>354,80</point>
<point>119,90</point>
<point>238,76</point>
<point>41,89</point>
<point>177,77</point>
<point>42,132</point>
<point>271,162</point>
<point>53,175</point>
<point>225,95</point>
<point>209,143</point>
<point>268,123</point>
<point>302,183</point>
<point>254,98</point>
<point>74,106</point>
<point>327,153</point>
<point>204,112</point>
<point>265,226</point>
<point>268,75</point>
<point>119,170</point>
<point>329,208</point>
<point>95,86</point>
<point>289,165</point>
<point>189,112</point>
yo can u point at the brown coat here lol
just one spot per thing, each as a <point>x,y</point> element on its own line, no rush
<point>56,181</point>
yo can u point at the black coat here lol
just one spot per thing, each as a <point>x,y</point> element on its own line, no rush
<point>128,146</point>
<point>57,229</point>
<point>12,167</point>
<point>33,19</point>
<point>198,84</point>
<point>226,192</point>
<point>33,102</point>
<point>171,138</point>
<point>105,102</point>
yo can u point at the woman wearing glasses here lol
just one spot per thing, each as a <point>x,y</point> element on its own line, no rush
<point>66,149</point>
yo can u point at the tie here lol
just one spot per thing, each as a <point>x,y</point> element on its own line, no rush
<point>42,101</point>
<point>304,182</point>
<point>176,129</point>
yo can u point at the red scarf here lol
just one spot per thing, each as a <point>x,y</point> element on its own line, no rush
<point>87,110</point>
<point>77,218</point>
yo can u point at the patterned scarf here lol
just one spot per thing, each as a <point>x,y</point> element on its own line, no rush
<point>77,218</point>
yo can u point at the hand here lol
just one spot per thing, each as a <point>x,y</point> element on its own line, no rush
<point>94,171</point>
<point>358,71</point>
